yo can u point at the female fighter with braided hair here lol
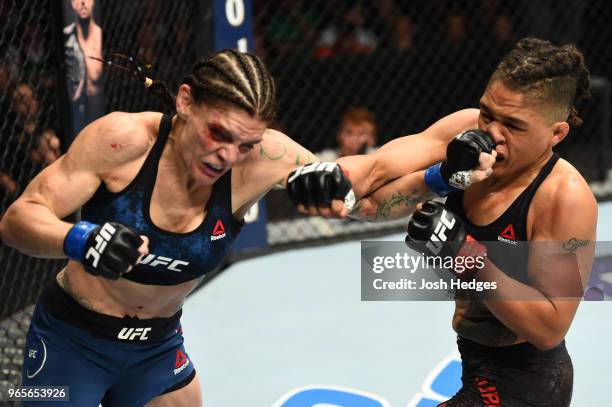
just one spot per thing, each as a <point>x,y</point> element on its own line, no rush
<point>171,190</point>
<point>163,198</point>
<point>512,341</point>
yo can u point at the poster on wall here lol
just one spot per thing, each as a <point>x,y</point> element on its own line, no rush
<point>82,39</point>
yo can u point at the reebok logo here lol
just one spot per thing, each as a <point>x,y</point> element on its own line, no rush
<point>132,333</point>
<point>181,362</point>
<point>218,231</point>
<point>507,235</point>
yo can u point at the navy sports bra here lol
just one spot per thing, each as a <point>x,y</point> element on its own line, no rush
<point>173,257</point>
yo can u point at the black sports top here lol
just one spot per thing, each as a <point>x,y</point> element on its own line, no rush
<point>506,242</point>
<point>173,257</point>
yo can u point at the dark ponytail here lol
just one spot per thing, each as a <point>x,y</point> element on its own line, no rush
<point>227,77</point>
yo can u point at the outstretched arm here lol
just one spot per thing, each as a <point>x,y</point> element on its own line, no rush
<point>267,166</point>
<point>406,155</point>
<point>394,200</point>
<point>399,198</point>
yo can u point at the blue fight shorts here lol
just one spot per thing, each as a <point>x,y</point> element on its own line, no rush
<point>118,362</point>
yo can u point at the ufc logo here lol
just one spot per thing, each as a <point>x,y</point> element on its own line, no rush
<point>306,169</point>
<point>133,333</point>
<point>439,235</point>
<point>102,238</point>
<point>155,260</point>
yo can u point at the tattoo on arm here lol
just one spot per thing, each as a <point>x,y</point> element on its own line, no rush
<point>358,206</point>
<point>384,209</point>
<point>573,244</point>
<point>64,282</point>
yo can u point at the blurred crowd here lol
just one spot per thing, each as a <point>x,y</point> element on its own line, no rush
<point>28,143</point>
<point>28,134</point>
<point>329,55</point>
<point>328,28</point>
<point>382,55</point>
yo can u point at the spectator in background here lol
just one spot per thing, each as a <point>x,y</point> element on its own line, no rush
<point>34,46</point>
<point>387,11</point>
<point>504,31</point>
<point>31,127</point>
<point>357,135</point>
<point>8,185</point>
<point>147,43</point>
<point>26,105</point>
<point>351,36</point>
<point>46,148</point>
<point>456,30</point>
<point>32,146</point>
<point>82,40</point>
<point>494,28</point>
<point>403,34</point>
<point>291,28</point>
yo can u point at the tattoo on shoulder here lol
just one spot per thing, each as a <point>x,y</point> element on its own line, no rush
<point>384,209</point>
<point>573,244</point>
<point>280,152</point>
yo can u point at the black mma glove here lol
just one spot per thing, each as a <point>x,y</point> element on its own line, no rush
<point>317,184</point>
<point>436,231</point>
<point>107,250</point>
<point>462,155</point>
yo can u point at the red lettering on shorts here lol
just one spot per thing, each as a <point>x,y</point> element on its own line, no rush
<point>488,392</point>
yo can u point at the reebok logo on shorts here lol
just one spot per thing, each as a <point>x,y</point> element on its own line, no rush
<point>181,362</point>
<point>218,231</point>
<point>507,235</point>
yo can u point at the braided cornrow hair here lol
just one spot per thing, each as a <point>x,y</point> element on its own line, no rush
<point>227,77</point>
<point>235,78</point>
<point>556,75</point>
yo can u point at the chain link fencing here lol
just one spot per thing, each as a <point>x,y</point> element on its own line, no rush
<point>31,135</point>
<point>411,63</point>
